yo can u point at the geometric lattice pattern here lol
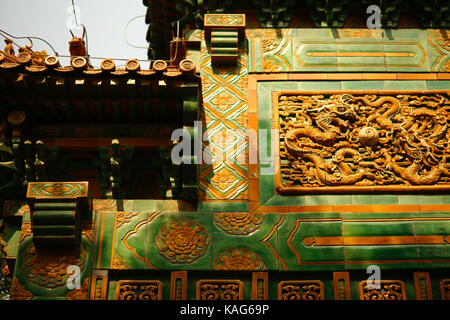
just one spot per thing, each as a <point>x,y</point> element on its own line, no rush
<point>224,116</point>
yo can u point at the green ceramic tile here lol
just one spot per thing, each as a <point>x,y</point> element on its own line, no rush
<point>446,198</point>
<point>420,199</point>
<point>105,225</point>
<point>297,242</point>
<point>279,85</point>
<point>405,84</point>
<point>423,214</point>
<point>10,236</point>
<point>372,199</point>
<point>373,252</point>
<point>438,228</point>
<point>266,187</point>
<point>321,200</point>
<point>168,249</point>
<point>363,85</point>
<point>394,34</point>
<point>395,216</point>
<point>279,59</point>
<point>264,103</point>
<point>387,255</point>
<point>319,85</point>
<point>438,84</point>
<point>251,241</point>
<point>129,249</point>
<point>377,229</point>
<point>279,200</point>
<point>348,62</point>
<point>222,206</point>
<point>313,34</point>
<point>256,55</point>
<point>308,55</point>
<point>415,59</point>
<point>432,227</point>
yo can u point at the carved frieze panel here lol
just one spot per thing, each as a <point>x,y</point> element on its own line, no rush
<point>139,290</point>
<point>301,290</point>
<point>362,141</point>
<point>388,290</point>
<point>220,290</point>
<point>445,289</point>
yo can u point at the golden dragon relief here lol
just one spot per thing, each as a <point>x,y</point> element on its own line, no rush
<point>363,141</point>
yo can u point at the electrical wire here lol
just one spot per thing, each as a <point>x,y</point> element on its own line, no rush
<point>176,47</point>
<point>126,33</point>
<point>74,13</point>
<point>28,37</point>
<point>81,25</point>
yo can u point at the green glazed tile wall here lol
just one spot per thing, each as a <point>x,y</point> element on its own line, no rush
<point>329,50</point>
<point>277,241</point>
<point>267,195</point>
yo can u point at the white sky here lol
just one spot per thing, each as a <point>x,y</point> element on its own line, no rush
<point>105,21</point>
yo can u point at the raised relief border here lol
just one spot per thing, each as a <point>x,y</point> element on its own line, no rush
<point>360,141</point>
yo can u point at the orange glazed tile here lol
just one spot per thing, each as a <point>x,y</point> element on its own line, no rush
<point>379,76</point>
<point>396,208</point>
<point>344,76</point>
<point>277,76</point>
<point>307,76</point>
<point>416,76</point>
<point>443,75</point>
<point>252,101</point>
<point>434,207</point>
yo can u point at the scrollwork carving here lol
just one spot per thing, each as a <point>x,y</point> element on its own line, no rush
<point>388,290</point>
<point>300,290</point>
<point>219,290</point>
<point>139,290</point>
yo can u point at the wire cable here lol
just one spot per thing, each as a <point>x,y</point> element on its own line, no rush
<point>126,33</point>
<point>81,25</point>
<point>176,47</point>
<point>28,37</point>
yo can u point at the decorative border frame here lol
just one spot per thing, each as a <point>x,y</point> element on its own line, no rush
<point>341,189</point>
<point>282,203</point>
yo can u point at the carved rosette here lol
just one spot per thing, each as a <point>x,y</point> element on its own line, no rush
<point>182,241</point>
<point>49,269</point>
<point>389,290</point>
<point>139,290</point>
<point>219,290</point>
<point>239,259</point>
<point>301,290</point>
<point>239,223</point>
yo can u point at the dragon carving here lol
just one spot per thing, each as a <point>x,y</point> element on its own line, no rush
<point>364,140</point>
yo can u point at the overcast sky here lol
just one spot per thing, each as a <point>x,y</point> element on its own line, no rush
<point>105,21</point>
